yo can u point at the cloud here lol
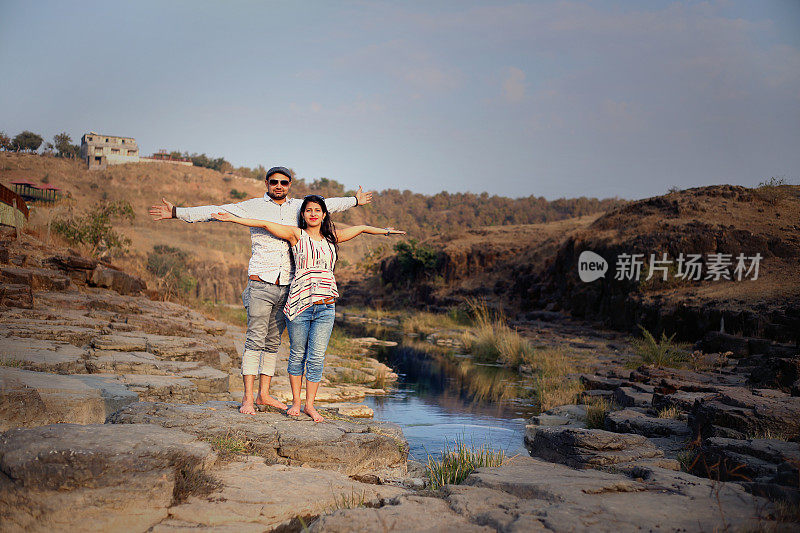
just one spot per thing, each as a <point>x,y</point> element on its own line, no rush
<point>514,85</point>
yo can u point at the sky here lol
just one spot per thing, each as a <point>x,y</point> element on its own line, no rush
<point>554,99</point>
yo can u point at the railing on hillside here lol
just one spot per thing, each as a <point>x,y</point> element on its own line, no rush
<point>9,197</point>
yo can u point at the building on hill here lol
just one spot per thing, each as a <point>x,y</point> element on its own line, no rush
<point>99,151</point>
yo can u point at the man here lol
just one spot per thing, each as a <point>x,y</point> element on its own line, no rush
<point>270,272</point>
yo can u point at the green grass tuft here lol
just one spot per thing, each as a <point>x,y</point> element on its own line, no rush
<point>662,352</point>
<point>459,461</point>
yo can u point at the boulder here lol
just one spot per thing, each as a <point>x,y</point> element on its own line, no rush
<point>98,477</point>
<point>347,445</point>
<point>116,280</point>
<point>16,295</point>
<point>588,448</point>
<point>632,397</point>
<point>630,421</point>
<point>38,279</point>
<point>29,399</point>
<point>757,460</point>
<point>738,413</point>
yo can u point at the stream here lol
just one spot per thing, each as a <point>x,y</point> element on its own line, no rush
<point>440,398</point>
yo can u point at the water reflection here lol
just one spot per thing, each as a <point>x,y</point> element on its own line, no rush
<point>441,397</point>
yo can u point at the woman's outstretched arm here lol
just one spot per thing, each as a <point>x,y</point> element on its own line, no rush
<point>289,233</point>
<point>354,231</point>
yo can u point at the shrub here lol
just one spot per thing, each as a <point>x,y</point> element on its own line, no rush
<point>663,352</point>
<point>168,265</point>
<point>238,195</point>
<point>773,190</point>
<point>416,260</point>
<point>94,229</point>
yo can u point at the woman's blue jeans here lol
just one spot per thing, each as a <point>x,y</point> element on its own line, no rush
<point>309,333</point>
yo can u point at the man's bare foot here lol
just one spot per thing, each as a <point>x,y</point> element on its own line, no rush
<point>269,400</point>
<point>294,410</point>
<point>247,408</point>
<point>315,416</point>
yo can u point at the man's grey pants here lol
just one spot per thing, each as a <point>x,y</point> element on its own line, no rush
<point>265,323</point>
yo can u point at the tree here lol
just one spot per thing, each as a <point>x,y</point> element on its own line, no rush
<point>95,229</point>
<point>63,143</point>
<point>5,141</point>
<point>27,140</point>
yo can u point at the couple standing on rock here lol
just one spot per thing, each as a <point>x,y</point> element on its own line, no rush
<point>302,291</point>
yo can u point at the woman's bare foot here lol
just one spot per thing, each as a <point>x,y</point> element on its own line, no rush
<point>269,400</point>
<point>315,416</point>
<point>294,410</point>
<point>247,408</point>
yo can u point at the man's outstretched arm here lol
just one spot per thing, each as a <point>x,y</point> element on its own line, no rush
<point>341,204</point>
<point>204,213</point>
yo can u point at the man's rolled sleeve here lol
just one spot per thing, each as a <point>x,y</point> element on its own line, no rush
<point>204,213</point>
<point>336,205</point>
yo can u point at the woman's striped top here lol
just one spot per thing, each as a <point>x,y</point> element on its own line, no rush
<point>313,276</point>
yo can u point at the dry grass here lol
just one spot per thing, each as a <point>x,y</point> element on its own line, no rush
<point>669,412</point>
<point>426,323</point>
<point>596,412</point>
<point>230,445</point>
<point>491,339</point>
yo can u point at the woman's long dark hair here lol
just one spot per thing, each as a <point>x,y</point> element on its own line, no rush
<point>327,229</point>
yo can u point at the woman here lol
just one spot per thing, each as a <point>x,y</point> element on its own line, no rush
<point>310,308</point>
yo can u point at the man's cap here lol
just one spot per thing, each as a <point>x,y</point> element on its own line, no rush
<point>279,170</point>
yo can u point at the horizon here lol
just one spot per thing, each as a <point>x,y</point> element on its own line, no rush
<point>543,99</point>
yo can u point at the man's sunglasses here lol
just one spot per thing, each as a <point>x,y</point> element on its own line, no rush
<point>285,183</point>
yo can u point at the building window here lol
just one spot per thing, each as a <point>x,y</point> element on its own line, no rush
<point>115,150</point>
<point>106,140</point>
<point>123,141</point>
<point>131,152</point>
<point>88,138</point>
<point>98,151</point>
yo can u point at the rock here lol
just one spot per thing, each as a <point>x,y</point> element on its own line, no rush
<point>16,295</point>
<point>346,445</point>
<point>629,421</point>
<point>683,401</point>
<point>595,382</point>
<point>160,388</point>
<point>715,341</point>
<point>590,396</point>
<point>588,448</point>
<point>738,413</point>
<point>757,460</point>
<point>130,474</point>
<point>563,415</point>
<point>29,399</point>
<point>120,342</point>
<point>526,494</point>
<point>253,497</point>
<point>43,356</point>
<point>407,513</point>
<point>774,372</point>
<point>116,280</point>
<point>72,262</point>
<point>632,397</point>
<point>39,279</point>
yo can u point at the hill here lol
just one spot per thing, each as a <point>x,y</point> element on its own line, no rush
<point>530,268</point>
<point>215,255</point>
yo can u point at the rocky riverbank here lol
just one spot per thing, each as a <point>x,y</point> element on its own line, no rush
<point>119,412</point>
